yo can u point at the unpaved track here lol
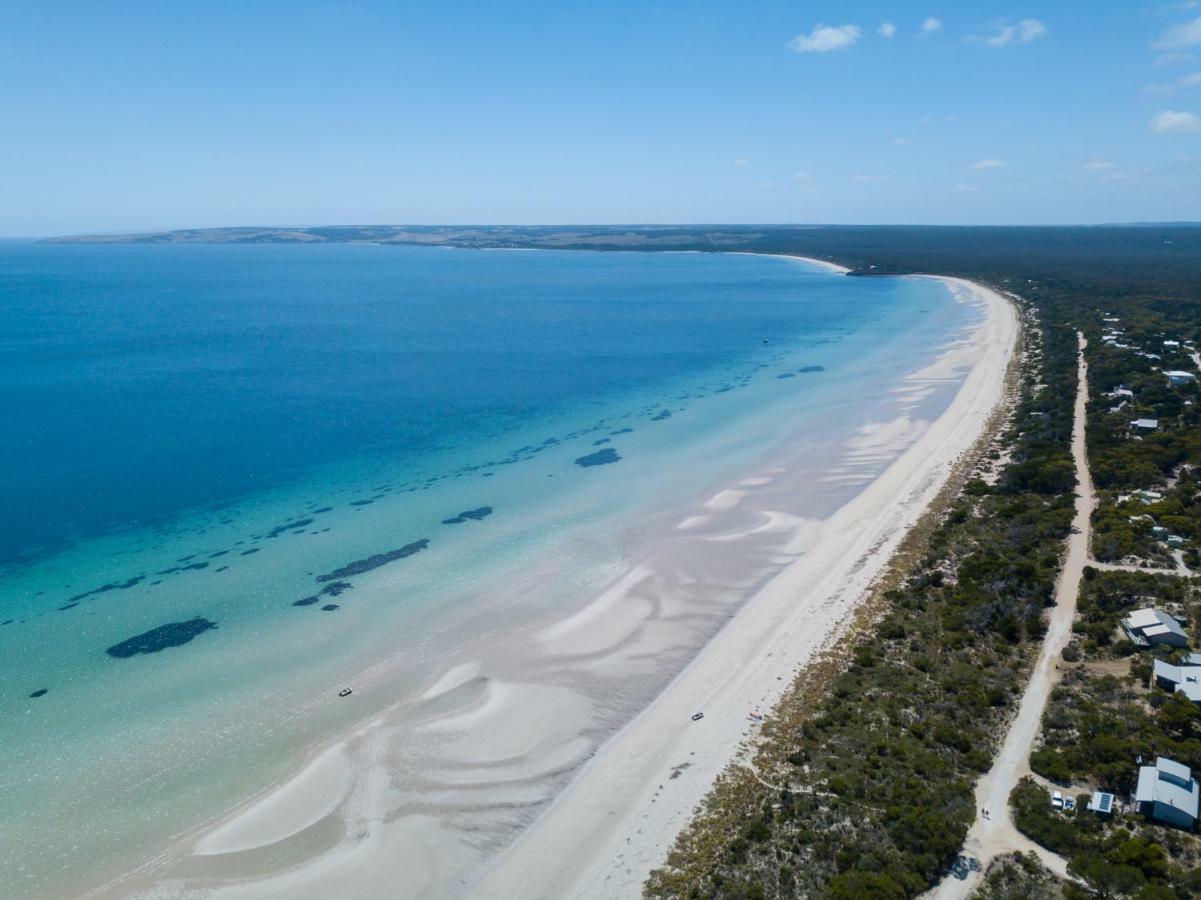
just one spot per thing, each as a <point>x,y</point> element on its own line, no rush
<point>995,835</point>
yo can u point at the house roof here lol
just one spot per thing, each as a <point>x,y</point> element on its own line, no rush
<point>1152,623</point>
<point>1170,783</point>
<point>1145,423</point>
<point>1184,679</point>
<point>1101,802</point>
<point>1173,769</point>
<point>1149,617</point>
<point>1167,671</point>
<point>1191,690</point>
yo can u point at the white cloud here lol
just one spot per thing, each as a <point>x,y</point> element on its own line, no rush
<point>1032,30</point>
<point>902,141</point>
<point>868,179</point>
<point>801,176</point>
<point>986,164</point>
<point>1167,60</point>
<point>825,38</point>
<point>1193,79</point>
<point>1105,170</point>
<point>886,29</point>
<point>967,188</point>
<point>931,25</point>
<point>1186,34</point>
<point>1003,36</point>
<point>741,163</point>
<point>1172,122</point>
<point>1023,32</point>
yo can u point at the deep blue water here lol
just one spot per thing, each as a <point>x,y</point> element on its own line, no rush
<point>138,381</point>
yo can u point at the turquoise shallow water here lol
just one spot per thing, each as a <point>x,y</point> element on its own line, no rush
<point>210,445</point>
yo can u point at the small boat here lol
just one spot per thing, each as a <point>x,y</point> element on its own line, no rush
<point>345,692</point>
<point>696,717</point>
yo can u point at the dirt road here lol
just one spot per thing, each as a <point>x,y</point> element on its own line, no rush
<point>995,834</point>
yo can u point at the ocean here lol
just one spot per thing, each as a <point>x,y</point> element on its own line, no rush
<point>237,479</point>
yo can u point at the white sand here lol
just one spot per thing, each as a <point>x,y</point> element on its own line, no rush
<point>619,817</point>
<point>449,791</point>
<point>813,261</point>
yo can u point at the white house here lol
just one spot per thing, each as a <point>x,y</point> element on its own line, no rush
<point>1145,424</point>
<point>1153,627</point>
<point>1178,377</point>
<point>1168,793</point>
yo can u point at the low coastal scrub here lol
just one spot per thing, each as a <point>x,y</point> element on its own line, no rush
<point>862,783</point>
<point>1120,856</point>
<point>1103,717</point>
<point>1106,598</point>
<point>1020,876</point>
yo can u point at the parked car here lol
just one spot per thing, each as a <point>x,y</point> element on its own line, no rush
<point>1057,800</point>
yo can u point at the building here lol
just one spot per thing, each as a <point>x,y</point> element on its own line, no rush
<point>1179,679</point>
<point>1172,345</point>
<point>1101,803</point>
<point>1145,424</point>
<point>1153,628</point>
<point>1168,793</point>
<point>1122,392</point>
<point>1179,377</point>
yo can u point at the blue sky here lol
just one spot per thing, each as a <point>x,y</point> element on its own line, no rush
<point>130,115</point>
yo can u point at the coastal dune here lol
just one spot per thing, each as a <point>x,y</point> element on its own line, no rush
<point>516,771</point>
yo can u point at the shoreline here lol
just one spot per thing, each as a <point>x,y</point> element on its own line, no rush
<point>832,267</point>
<point>619,817</point>
<point>296,837</point>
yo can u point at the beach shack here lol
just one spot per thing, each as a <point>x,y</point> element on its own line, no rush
<point>1154,628</point>
<point>1145,424</point>
<point>1184,680</point>
<point>1101,803</point>
<point>1178,377</point>
<point>1168,793</point>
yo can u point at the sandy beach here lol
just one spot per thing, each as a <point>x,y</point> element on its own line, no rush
<point>832,267</point>
<point>516,771</point>
<point>618,819</point>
